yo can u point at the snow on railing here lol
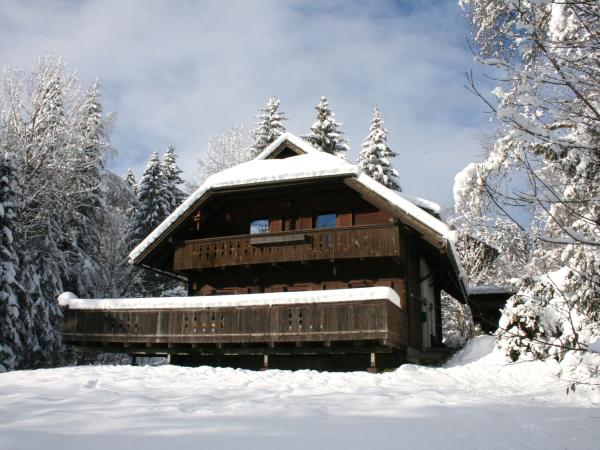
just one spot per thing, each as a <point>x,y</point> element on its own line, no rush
<point>70,300</point>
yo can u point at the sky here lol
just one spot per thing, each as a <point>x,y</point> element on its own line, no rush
<point>178,72</point>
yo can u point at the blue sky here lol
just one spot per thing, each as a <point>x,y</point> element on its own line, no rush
<point>180,72</point>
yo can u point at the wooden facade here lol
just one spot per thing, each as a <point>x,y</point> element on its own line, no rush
<point>213,247</point>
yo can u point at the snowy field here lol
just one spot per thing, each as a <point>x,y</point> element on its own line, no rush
<point>475,402</point>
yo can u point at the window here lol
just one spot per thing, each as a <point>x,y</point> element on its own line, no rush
<point>259,226</point>
<point>325,220</point>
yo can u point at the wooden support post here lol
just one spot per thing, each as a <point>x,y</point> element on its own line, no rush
<point>373,368</point>
<point>168,358</point>
<point>265,365</point>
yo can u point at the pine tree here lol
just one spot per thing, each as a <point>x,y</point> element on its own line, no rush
<point>326,134</point>
<point>269,126</point>
<point>131,181</point>
<point>172,179</point>
<point>10,289</point>
<point>153,206</point>
<point>374,158</point>
<point>153,200</point>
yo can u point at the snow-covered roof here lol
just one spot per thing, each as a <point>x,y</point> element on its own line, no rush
<point>256,171</point>
<point>70,300</point>
<point>491,289</point>
<point>421,202</point>
<point>290,138</point>
<point>409,208</point>
<point>309,164</point>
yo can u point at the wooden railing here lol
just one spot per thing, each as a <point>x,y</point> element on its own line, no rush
<point>199,329</point>
<point>304,245</point>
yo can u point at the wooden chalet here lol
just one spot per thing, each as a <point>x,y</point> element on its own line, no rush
<point>292,260</point>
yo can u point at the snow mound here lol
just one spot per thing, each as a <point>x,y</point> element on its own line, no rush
<point>475,350</point>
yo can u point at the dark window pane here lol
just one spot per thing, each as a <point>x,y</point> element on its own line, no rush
<point>326,220</point>
<point>259,226</point>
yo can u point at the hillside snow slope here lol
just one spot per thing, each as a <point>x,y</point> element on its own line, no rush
<point>476,401</point>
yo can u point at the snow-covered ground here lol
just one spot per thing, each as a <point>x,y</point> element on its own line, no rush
<point>474,402</point>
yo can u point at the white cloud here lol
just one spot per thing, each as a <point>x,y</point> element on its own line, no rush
<point>179,72</point>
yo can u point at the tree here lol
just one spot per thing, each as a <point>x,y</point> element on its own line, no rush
<point>87,206</point>
<point>153,206</point>
<point>326,134</point>
<point>57,136</point>
<point>549,133</point>
<point>223,151</point>
<point>269,126</point>
<point>118,278</point>
<point>172,179</point>
<point>153,200</point>
<point>10,289</point>
<point>129,178</point>
<point>374,158</point>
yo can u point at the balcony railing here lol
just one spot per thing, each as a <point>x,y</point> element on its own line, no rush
<point>208,329</point>
<point>288,246</point>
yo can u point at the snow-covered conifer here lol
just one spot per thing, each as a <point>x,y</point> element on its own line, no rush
<point>153,200</point>
<point>326,134</point>
<point>172,178</point>
<point>56,132</point>
<point>10,289</point>
<point>375,157</point>
<point>269,126</point>
<point>153,206</point>
<point>131,181</point>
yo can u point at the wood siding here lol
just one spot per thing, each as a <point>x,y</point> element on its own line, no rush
<point>310,245</point>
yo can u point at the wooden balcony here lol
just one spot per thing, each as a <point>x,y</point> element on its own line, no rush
<point>308,328</point>
<point>306,245</point>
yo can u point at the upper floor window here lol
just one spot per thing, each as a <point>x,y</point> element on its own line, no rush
<point>325,220</point>
<point>259,226</point>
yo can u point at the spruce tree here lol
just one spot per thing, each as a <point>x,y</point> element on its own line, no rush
<point>374,158</point>
<point>172,179</point>
<point>153,200</point>
<point>10,289</point>
<point>269,126</point>
<point>131,181</point>
<point>153,206</point>
<point>326,133</point>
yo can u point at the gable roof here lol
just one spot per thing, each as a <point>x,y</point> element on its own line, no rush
<point>291,141</point>
<point>309,164</point>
